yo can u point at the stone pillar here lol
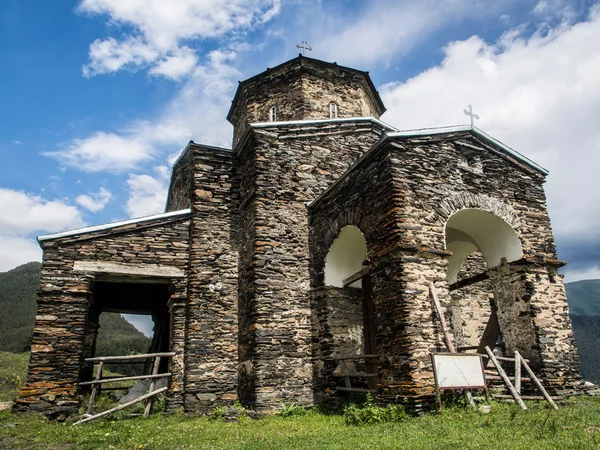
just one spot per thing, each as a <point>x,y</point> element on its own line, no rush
<point>177,315</point>
<point>89,343</point>
<point>407,326</point>
<point>57,348</point>
<point>534,318</point>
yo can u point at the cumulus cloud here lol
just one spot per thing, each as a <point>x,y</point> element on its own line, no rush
<point>159,27</point>
<point>147,194</point>
<point>15,251</point>
<point>24,213</point>
<point>196,112</point>
<point>537,93</point>
<point>95,201</point>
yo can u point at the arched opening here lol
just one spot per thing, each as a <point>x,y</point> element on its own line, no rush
<point>345,258</point>
<point>479,241</point>
<point>473,230</point>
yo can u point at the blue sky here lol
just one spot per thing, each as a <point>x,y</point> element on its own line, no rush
<point>99,96</point>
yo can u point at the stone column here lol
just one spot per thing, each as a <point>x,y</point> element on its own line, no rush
<point>534,318</point>
<point>57,348</point>
<point>177,315</point>
<point>89,343</point>
<point>407,326</point>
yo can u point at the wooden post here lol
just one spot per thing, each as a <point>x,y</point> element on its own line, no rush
<point>440,313</point>
<point>518,372</point>
<point>125,405</point>
<point>536,381</point>
<point>90,408</point>
<point>500,370</point>
<point>151,388</point>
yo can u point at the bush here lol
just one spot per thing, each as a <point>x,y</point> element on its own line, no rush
<point>369,413</point>
<point>292,410</point>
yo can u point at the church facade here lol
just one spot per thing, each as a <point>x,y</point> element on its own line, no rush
<point>306,255</point>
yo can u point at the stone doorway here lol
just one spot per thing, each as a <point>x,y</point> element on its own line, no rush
<point>145,298</point>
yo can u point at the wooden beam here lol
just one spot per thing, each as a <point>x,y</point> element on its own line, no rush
<point>469,281</point>
<point>350,389</point>
<point>490,334</point>
<point>151,388</point>
<point>343,358</point>
<point>141,270</point>
<point>114,380</point>
<point>124,405</point>
<point>357,276</point>
<point>127,357</point>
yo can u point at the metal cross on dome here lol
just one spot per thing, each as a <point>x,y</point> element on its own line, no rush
<point>471,114</point>
<point>304,46</point>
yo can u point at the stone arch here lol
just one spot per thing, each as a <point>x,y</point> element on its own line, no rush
<point>345,257</point>
<point>472,229</point>
<point>467,200</point>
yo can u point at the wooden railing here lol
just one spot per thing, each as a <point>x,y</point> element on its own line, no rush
<point>98,382</point>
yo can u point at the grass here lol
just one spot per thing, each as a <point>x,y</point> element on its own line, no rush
<point>13,367</point>
<point>575,426</point>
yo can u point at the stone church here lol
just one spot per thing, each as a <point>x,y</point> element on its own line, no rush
<point>305,254</point>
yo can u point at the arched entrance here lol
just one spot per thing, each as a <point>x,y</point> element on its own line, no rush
<point>481,242</point>
<point>346,267</point>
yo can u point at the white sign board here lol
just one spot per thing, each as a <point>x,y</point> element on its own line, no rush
<point>458,371</point>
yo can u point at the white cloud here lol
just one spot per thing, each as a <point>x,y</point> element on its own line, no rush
<point>23,213</point>
<point>538,94</point>
<point>159,27</point>
<point>386,29</point>
<point>95,201</point>
<point>591,273</point>
<point>15,251</point>
<point>147,194</point>
<point>176,66</point>
<point>106,151</point>
<point>196,112</point>
<point>17,142</point>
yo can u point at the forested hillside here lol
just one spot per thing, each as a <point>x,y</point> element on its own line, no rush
<point>119,337</point>
<point>584,304</point>
<point>18,302</point>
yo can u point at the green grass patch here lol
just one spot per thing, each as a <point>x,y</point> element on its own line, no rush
<point>13,369</point>
<point>575,426</point>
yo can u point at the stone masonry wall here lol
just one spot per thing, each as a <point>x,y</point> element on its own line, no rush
<point>292,164</point>
<point>337,330</point>
<point>212,327</point>
<point>66,296</point>
<point>368,197</point>
<point>471,307</point>
<point>436,185</point>
<point>303,89</point>
<point>180,187</point>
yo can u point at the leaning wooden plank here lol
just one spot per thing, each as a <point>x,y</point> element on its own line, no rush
<point>526,397</point>
<point>151,388</point>
<point>347,389</point>
<point>121,358</point>
<point>124,405</point>
<point>537,381</point>
<point>343,358</point>
<point>90,408</point>
<point>440,313</point>
<point>357,276</point>
<point>509,385</point>
<point>114,380</point>
<point>491,333</point>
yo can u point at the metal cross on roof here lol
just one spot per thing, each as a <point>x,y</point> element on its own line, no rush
<point>304,46</point>
<point>471,114</point>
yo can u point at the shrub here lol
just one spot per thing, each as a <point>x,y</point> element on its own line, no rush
<point>369,413</point>
<point>292,410</point>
